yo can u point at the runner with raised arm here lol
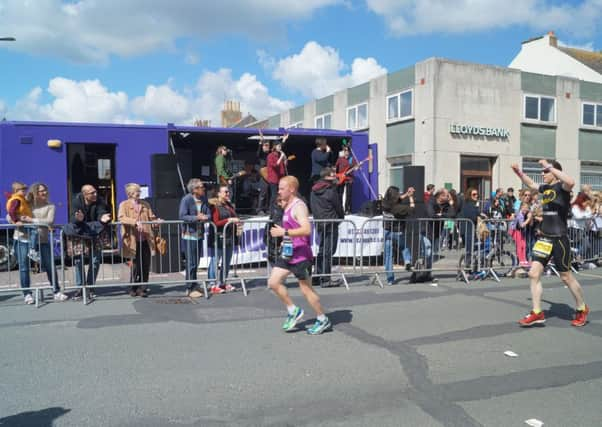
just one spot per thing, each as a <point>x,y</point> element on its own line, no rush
<point>553,241</point>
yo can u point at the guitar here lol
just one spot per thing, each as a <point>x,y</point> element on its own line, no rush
<point>264,170</point>
<point>342,176</point>
<point>224,181</point>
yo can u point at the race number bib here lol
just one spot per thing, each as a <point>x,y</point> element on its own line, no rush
<point>542,248</point>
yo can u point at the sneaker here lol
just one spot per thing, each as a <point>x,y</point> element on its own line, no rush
<point>215,289</point>
<point>59,296</point>
<point>292,319</point>
<point>532,319</point>
<point>77,295</point>
<point>580,317</point>
<point>33,255</point>
<point>228,288</point>
<point>29,299</point>
<point>141,292</point>
<point>408,266</point>
<point>319,327</point>
<point>194,293</point>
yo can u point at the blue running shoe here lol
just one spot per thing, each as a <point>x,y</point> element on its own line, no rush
<point>292,319</point>
<point>319,327</point>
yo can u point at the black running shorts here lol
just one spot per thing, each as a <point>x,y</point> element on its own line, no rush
<point>556,248</point>
<point>301,270</point>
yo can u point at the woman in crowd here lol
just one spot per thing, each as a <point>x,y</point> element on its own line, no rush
<point>520,228</point>
<point>43,214</point>
<point>395,210</point>
<point>471,210</point>
<point>222,213</point>
<point>580,223</point>
<point>137,238</point>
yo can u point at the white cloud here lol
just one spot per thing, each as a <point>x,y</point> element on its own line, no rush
<point>90,101</point>
<point>92,30</point>
<point>318,70</point>
<point>192,58</point>
<point>583,46</point>
<point>408,17</point>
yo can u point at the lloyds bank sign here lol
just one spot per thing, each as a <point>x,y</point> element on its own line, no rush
<point>479,131</point>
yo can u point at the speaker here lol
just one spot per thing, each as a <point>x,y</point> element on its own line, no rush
<point>413,176</point>
<point>165,180</point>
<point>165,207</point>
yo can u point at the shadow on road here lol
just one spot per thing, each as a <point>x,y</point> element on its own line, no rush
<point>42,418</point>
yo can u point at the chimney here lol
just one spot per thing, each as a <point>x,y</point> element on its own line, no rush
<point>553,39</point>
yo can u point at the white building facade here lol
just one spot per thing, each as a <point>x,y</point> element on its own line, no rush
<point>467,123</point>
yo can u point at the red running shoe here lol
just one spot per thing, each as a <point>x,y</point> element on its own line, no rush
<point>580,317</point>
<point>532,319</point>
<point>214,290</point>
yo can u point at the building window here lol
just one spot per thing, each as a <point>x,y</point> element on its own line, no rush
<point>592,115</point>
<point>591,174</point>
<point>532,169</point>
<point>399,106</point>
<point>324,121</point>
<point>357,117</point>
<point>540,108</point>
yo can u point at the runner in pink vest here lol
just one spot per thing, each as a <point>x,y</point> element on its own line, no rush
<point>295,257</point>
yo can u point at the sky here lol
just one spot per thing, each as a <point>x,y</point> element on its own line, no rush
<point>176,61</point>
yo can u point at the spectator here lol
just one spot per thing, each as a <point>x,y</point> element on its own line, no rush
<point>222,213</point>
<point>90,217</point>
<point>581,223</point>
<point>509,202</point>
<point>520,232</point>
<point>430,190</point>
<point>272,244</point>
<point>440,206</point>
<point>137,238</point>
<point>395,212</point>
<point>19,208</point>
<point>43,214</point>
<point>195,212</point>
<point>326,205</point>
<point>263,151</point>
<point>471,210</point>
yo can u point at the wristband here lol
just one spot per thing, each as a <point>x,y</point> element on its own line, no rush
<point>286,233</point>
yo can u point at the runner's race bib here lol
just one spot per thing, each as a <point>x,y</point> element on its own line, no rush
<point>542,248</point>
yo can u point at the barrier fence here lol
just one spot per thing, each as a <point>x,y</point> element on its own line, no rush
<point>163,253</point>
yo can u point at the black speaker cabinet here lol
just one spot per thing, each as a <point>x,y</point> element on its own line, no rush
<point>165,180</point>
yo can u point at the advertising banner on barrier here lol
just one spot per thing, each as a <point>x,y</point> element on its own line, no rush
<point>252,247</point>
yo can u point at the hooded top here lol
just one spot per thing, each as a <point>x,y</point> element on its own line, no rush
<point>325,201</point>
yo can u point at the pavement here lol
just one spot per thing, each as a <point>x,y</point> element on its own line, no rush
<point>405,355</point>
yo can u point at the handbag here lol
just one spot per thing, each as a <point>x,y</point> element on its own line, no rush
<point>161,245</point>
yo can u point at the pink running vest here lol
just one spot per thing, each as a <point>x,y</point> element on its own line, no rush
<point>301,245</point>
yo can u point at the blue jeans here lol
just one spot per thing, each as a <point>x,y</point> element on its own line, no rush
<point>397,237</point>
<point>93,267</point>
<point>21,250</point>
<point>426,250</point>
<point>48,266</point>
<point>193,250</point>
<point>225,258</point>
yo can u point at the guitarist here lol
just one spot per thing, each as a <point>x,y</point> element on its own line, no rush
<point>344,163</point>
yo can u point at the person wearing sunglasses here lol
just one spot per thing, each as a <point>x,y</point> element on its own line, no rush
<point>553,242</point>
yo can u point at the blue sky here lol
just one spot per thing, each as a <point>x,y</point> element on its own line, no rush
<point>151,61</point>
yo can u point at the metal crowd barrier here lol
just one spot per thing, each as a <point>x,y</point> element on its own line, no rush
<point>33,259</point>
<point>586,244</point>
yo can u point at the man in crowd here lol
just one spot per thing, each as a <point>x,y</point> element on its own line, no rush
<point>326,205</point>
<point>430,189</point>
<point>90,216</point>
<point>321,157</point>
<point>263,151</point>
<point>195,212</point>
<point>441,205</point>
<point>296,258</point>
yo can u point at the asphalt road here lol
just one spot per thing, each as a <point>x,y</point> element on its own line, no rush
<point>406,355</point>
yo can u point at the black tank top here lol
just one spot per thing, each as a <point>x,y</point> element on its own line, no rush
<point>556,203</point>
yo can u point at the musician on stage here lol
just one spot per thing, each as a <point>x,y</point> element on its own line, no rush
<point>222,166</point>
<point>263,151</point>
<point>321,157</point>
<point>344,163</point>
<point>276,163</point>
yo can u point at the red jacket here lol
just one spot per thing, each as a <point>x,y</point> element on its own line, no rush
<point>275,171</point>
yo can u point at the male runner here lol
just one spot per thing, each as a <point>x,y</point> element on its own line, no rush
<point>295,225</point>
<point>553,242</point>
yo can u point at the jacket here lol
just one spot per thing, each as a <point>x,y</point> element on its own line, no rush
<point>220,213</point>
<point>396,211</point>
<point>435,210</point>
<point>325,201</point>
<point>128,217</point>
<point>90,226</point>
<point>193,229</point>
